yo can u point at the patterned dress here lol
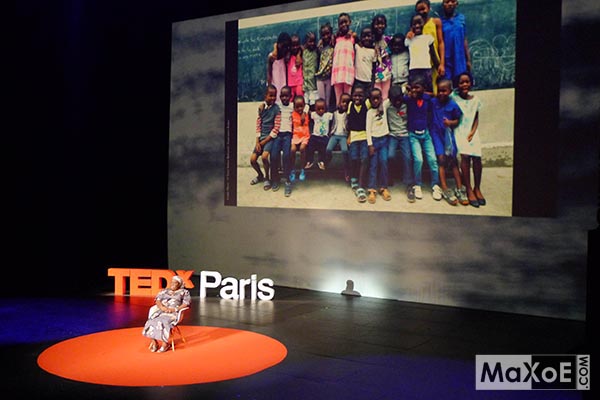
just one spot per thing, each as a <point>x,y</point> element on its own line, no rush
<point>325,63</point>
<point>310,63</point>
<point>159,323</point>
<point>342,70</point>
<point>383,69</point>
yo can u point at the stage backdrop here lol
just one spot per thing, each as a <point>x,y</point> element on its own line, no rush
<point>529,261</point>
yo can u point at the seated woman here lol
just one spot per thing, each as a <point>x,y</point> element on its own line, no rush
<point>163,315</point>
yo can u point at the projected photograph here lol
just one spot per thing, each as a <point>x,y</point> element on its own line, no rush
<point>430,129</point>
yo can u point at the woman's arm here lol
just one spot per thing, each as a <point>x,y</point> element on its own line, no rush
<point>474,127</point>
<point>161,306</point>
<point>185,301</point>
<point>441,46</point>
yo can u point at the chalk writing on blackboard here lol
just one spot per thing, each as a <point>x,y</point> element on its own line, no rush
<point>494,62</point>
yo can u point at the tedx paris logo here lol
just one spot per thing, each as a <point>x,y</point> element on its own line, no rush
<point>532,372</point>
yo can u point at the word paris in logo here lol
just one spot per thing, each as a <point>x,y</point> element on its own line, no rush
<point>532,372</point>
<point>148,282</point>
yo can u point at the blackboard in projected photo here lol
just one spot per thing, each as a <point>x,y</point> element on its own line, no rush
<point>488,176</point>
<point>491,32</point>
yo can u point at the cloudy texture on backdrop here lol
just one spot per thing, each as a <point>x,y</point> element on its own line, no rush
<point>524,265</point>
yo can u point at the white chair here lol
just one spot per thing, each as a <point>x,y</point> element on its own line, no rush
<point>176,327</point>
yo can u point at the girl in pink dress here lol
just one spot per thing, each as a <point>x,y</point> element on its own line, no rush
<point>277,61</point>
<point>342,71</point>
<point>295,76</point>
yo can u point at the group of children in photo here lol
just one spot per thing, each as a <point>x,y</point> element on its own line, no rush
<point>399,100</point>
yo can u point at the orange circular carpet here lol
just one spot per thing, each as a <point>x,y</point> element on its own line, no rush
<point>121,357</point>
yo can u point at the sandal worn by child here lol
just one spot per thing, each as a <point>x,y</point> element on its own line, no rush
<point>385,193</point>
<point>361,195</point>
<point>372,196</point>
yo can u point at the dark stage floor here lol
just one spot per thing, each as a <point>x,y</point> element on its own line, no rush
<point>338,347</point>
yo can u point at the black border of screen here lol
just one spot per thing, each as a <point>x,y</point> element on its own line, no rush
<point>231,110</point>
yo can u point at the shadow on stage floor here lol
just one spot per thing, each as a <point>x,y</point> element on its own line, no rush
<point>338,347</point>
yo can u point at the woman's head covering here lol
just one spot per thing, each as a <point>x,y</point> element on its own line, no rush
<point>179,280</point>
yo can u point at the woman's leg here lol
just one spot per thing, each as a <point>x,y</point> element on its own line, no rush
<point>373,167</point>
<point>266,164</point>
<point>164,347</point>
<point>354,155</point>
<point>275,158</point>
<point>338,89</point>
<point>321,89</point>
<point>417,156</point>
<point>384,87</point>
<point>429,152</point>
<point>345,158</point>
<point>286,144</point>
<point>441,160</point>
<point>382,153</point>
<point>293,150</point>
<point>455,172</point>
<point>303,155</point>
<point>363,176</point>
<point>477,171</point>
<point>331,143</point>
<point>465,169</point>
<point>407,161</point>
<point>327,85</point>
